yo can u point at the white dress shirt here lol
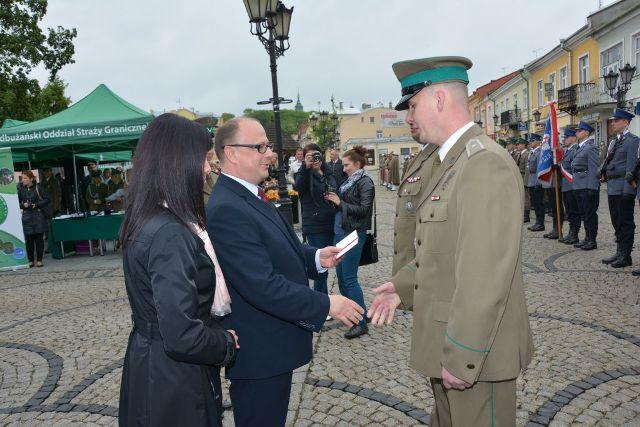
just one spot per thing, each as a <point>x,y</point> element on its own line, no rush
<point>254,190</point>
<point>451,141</point>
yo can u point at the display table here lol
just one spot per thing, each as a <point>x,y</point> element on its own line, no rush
<point>99,227</point>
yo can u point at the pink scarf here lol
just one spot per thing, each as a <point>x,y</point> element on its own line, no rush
<point>221,301</point>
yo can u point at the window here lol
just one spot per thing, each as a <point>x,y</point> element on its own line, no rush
<point>540,94</point>
<point>483,117</point>
<point>506,104</point>
<point>501,106</point>
<point>378,134</point>
<point>525,98</point>
<point>404,151</point>
<point>372,119</point>
<point>563,78</point>
<point>583,68</point>
<point>635,49</point>
<point>552,81</point>
<point>611,59</point>
<point>515,101</point>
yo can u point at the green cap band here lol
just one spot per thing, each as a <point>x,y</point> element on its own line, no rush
<point>436,75</point>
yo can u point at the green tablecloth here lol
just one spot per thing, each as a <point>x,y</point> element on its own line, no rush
<point>103,227</point>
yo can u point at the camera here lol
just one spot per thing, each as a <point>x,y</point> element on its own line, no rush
<point>316,157</point>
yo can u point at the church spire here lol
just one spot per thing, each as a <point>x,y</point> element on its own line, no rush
<point>298,103</point>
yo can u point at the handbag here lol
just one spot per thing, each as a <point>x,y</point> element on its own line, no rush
<point>370,249</point>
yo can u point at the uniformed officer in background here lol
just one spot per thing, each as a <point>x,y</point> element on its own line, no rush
<point>549,189</point>
<point>97,192</point>
<point>618,172</point>
<point>568,195</point>
<point>471,327</point>
<point>586,184</point>
<point>414,182</point>
<point>522,161</point>
<point>535,188</point>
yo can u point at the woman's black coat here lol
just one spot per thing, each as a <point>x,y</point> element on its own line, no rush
<point>34,220</point>
<point>171,374</point>
<point>317,214</point>
<point>356,205</point>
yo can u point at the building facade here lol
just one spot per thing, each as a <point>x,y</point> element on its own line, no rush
<point>511,105</point>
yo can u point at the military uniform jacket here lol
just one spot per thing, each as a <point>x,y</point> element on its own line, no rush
<point>112,187</point>
<point>523,165</point>
<point>533,168</point>
<point>621,166</point>
<point>465,285</point>
<point>567,159</point>
<point>97,192</point>
<point>414,182</point>
<point>585,166</point>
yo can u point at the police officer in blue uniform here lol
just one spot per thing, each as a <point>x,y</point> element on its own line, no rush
<point>550,190</point>
<point>617,171</point>
<point>535,188</point>
<point>586,184</point>
<point>568,194</point>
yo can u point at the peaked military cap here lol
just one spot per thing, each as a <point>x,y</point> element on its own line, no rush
<point>522,141</point>
<point>416,74</point>
<point>584,126</point>
<point>568,132</point>
<point>619,113</point>
<point>535,137</point>
<point>115,172</point>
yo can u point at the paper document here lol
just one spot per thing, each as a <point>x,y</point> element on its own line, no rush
<point>347,243</point>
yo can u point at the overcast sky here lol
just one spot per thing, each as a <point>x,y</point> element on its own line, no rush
<point>200,52</point>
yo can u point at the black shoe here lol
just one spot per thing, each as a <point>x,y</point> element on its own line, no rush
<point>527,217</point>
<point>571,240</point>
<point>635,273</point>
<point>623,261</point>
<point>537,227</point>
<point>553,235</point>
<point>612,258</point>
<point>356,331</point>
<point>589,246</point>
<point>580,244</point>
<point>527,220</point>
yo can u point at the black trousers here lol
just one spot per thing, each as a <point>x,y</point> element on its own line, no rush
<point>551,196</point>
<point>588,203</point>
<point>621,210</point>
<point>537,203</point>
<point>37,241</point>
<point>262,402</point>
<point>571,209</point>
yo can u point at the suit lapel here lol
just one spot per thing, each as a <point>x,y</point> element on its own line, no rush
<point>419,160</point>
<point>450,160</point>
<point>268,212</point>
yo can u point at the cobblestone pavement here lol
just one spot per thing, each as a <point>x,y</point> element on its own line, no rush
<point>63,332</point>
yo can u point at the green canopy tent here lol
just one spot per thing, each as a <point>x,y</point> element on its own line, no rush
<point>109,156</point>
<point>9,123</point>
<point>98,123</point>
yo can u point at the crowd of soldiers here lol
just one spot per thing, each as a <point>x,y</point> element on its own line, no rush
<point>579,197</point>
<point>390,171</point>
<point>103,190</point>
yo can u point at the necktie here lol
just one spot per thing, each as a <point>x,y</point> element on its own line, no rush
<point>262,195</point>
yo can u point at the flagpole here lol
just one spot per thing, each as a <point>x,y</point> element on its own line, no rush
<point>558,219</point>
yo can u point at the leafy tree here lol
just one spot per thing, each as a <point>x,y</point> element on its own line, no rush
<point>23,47</point>
<point>227,116</point>
<point>289,119</point>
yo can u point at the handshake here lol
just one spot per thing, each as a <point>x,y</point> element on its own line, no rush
<point>382,309</point>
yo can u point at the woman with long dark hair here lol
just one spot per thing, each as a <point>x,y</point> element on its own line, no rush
<point>171,372</point>
<point>354,200</point>
<point>312,181</point>
<point>33,202</point>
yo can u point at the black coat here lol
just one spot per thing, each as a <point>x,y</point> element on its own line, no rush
<point>317,214</point>
<point>34,220</point>
<point>336,169</point>
<point>171,373</point>
<point>356,205</point>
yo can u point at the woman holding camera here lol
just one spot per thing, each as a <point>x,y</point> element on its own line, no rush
<point>354,200</point>
<point>312,182</point>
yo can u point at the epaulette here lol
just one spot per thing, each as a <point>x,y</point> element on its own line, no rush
<point>474,146</point>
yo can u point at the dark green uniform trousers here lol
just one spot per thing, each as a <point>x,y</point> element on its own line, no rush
<point>484,404</point>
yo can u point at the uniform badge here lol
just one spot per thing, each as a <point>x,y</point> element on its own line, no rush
<point>409,206</point>
<point>413,179</point>
<point>435,198</point>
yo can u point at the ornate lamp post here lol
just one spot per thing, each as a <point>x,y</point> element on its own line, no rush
<point>618,88</point>
<point>326,123</point>
<point>270,21</point>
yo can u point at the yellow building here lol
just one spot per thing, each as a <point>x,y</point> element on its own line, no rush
<point>381,130</point>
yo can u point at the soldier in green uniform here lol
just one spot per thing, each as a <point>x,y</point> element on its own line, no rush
<point>115,191</point>
<point>471,332</point>
<point>522,160</point>
<point>413,183</point>
<point>97,192</point>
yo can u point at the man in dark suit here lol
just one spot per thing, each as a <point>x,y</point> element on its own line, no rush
<point>334,166</point>
<point>274,312</point>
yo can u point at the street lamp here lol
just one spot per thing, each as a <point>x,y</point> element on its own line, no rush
<point>536,115</point>
<point>618,88</point>
<point>325,123</point>
<point>270,20</point>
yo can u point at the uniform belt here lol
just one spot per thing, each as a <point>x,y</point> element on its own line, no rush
<point>147,329</point>
<point>615,176</point>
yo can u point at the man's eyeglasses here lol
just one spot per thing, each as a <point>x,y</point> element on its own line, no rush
<point>262,148</point>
